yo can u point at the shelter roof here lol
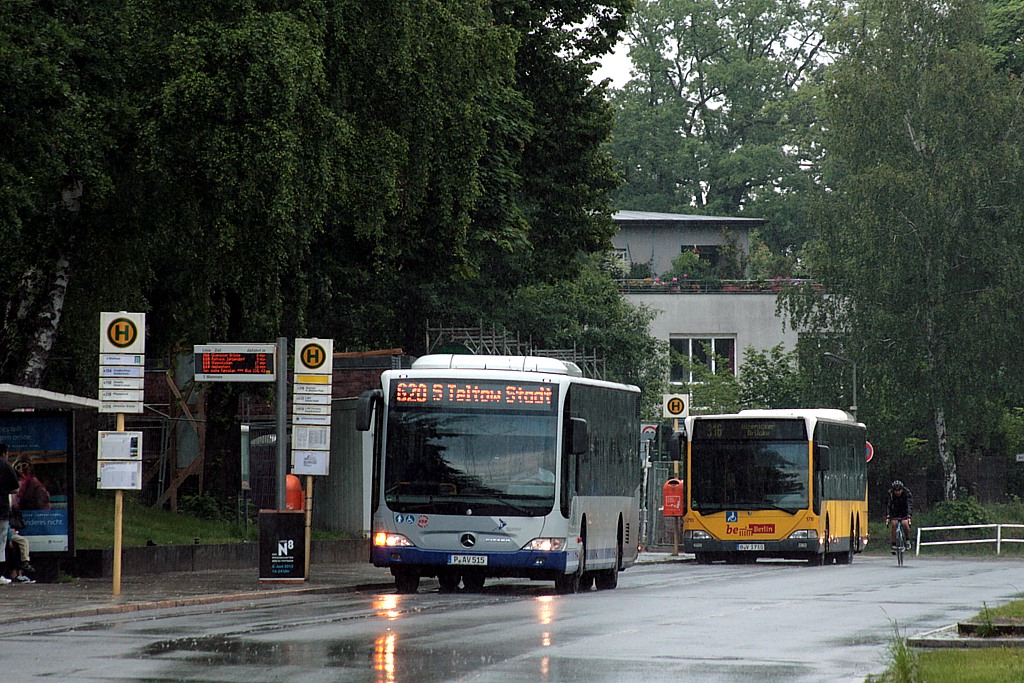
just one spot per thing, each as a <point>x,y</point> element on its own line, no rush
<point>15,397</point>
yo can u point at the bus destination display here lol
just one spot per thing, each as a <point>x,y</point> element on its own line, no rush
<point>766,430</point>
<point>235,363</point>
<point>491,395</point>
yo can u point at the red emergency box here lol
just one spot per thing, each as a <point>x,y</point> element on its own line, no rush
<point>672,498</point>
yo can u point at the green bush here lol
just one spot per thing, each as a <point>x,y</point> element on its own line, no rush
<point>958,512</point>
<point>204,506</point>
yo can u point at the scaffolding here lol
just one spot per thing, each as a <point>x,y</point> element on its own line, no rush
<point>498,341</point>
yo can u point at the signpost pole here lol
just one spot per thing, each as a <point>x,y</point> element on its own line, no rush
<point>309,519</point>
<point>118,521</point>
<point>282,420</point>
<point>675,473</point>
<point>122,386</point>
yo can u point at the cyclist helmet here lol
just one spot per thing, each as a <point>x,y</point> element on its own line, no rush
<point>897,484</point>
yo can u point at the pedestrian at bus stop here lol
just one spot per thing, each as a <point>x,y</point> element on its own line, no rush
<point>31,495</point>
<point>8,486</point>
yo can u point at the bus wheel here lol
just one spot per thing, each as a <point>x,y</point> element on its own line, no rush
<point>846,557</point>
<point>449,581</point>
<point>607,579</point>
<point>570,583</point>
<point>703,558</point>
<point>473,582</point>
<point>407,581</point>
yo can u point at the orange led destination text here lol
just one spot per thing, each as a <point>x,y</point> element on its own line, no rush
<point>448,392</point>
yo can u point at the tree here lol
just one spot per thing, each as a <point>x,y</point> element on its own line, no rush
<point>60,129</point>
<point>712,121</point>
<point>588,313</point>
<point>922,244</point>
<point>770,379</point>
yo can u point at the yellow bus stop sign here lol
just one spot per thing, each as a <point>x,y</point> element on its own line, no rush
<point>675,405</point>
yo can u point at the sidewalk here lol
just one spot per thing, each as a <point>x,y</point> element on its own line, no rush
<point>85,596</point>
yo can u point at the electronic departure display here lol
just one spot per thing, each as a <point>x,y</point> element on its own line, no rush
<point>235,363</point>
<point>493,395</point>
<point>767,430</point>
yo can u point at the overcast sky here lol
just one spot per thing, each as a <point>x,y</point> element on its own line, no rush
<point>614,66</point>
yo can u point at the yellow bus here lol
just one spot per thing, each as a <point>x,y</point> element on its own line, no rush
<point>788,484</point>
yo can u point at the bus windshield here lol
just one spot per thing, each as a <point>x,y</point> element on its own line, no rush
<point>470,462</point>
<point>749,475</point>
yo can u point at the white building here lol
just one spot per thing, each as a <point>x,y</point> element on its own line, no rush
<point>728,317</point>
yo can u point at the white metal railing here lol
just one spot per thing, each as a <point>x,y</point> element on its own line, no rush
<point>998,540</point>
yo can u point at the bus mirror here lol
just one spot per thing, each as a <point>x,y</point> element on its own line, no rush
<point>580,437</point>
<point>675,446</point>
<point>821,458</point>
<point>364,408</point>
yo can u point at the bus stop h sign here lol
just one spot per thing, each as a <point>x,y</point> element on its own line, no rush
<point>675,405</point>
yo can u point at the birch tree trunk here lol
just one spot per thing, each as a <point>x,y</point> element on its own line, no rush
<point>945,455</point>
<point>48,322</point>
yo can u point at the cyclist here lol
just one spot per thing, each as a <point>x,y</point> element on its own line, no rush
<point>900,510</point>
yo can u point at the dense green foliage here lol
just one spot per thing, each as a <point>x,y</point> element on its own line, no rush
<point>246,170</point>
<point>881,140</point>
<point>714,122</point>
<point>922,236</point>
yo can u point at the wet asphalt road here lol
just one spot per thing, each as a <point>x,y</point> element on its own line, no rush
<point>665,622</point>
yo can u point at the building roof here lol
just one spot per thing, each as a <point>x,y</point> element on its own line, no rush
<point>14,397</point>
<point>655,217</point>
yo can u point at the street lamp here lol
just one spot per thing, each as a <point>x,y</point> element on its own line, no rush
<point>831,357</point>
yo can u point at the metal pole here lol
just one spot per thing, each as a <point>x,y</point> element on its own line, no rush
<point>282,421</point>
<point>853,408</point>
<point>118,524</point>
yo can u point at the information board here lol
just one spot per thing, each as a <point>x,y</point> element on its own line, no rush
<point>235,363</point>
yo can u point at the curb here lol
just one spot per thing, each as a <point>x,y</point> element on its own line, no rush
<point>170,603</point>
<point>949,637</point>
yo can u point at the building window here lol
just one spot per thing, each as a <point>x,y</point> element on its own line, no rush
<point>717,354</point>
<point>712,253</point>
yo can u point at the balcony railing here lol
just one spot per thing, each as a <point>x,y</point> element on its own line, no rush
<point>688,286</point>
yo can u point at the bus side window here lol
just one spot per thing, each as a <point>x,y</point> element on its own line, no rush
<point>822,459</point>
<point>580,438</point>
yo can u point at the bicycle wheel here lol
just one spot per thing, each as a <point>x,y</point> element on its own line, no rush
<point>900,544</point>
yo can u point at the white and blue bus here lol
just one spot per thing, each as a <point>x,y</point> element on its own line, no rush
<point>503,466</point>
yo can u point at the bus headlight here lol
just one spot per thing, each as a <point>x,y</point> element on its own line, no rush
<point>545,544</point>
<point>383,539</point>
<point>804,533</point>
<point>697,535</point>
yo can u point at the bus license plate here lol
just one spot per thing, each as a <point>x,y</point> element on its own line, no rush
<point>750,546</point>
<point>475,560</point>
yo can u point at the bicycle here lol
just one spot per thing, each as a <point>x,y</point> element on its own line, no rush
<point>901,542</point>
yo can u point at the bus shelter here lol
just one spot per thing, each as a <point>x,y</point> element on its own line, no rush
<point>38,427</point>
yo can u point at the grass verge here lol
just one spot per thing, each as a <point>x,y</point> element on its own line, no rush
<point>141,524</point>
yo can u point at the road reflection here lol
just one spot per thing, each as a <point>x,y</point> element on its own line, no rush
<point>387,606</point>
<point>384,657</point>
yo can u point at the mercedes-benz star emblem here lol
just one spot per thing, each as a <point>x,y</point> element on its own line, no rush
<point>468,540</point>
